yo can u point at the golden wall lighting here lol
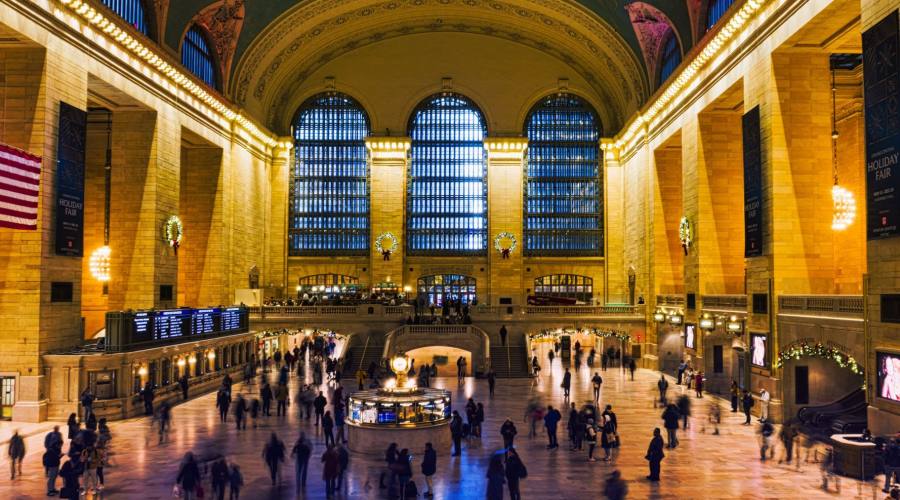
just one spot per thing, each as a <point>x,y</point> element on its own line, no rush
<point>676,318</point>
<point>707,323</point>
<point>180,363</point>
<point>211,355</point>
<point>142,371</point>
<point>734,325</point>
<point>192,360</point>
<point>659,316</point>
<point>99,263</point>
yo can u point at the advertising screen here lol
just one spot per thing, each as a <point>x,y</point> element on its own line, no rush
<point>759,349</point>
<point>888,375</point>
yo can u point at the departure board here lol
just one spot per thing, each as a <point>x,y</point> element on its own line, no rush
<point>231,319</point>
<point>130,329</point>
<point>206,321</point>
<point>172,323</point>
<point>143,324</point>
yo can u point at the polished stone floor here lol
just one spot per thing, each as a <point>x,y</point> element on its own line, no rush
<point>704,466</point>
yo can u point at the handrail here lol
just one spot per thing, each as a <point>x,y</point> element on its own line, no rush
<point>365,348</point>
<point>395,313</point>
<point>818,305</point>
<point>735,303</point>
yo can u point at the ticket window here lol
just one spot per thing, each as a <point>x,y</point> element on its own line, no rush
<point>102,384</point>
<point>7,396</point>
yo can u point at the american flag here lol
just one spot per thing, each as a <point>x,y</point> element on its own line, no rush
<point>20,176</point>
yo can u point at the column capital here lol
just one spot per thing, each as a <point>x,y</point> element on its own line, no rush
<point>505,148</point>
<point>610,149</point>
<point>388,148</point>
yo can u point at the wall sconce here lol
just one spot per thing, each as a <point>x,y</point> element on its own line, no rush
<point>407,288</point>
<point>142,371</point>
<point>211,355</point>
<point>659,316</point>
<point>181,363</point>
<point>734,325</point>
<point>707,323</point>
<point>192,359</point>
<point>676,319</point>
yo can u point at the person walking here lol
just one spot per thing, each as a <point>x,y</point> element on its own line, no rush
<point>698,383</point>
<point>188,476</point>
<point>460,369</point>
<point>69,475</point>
<point>51,459</point>
<point>655,454</point>
<point>764,398</point>
<point>73,426</point>
<point>235,482</point>
<point>147,395</point>
<point>328,428</point>
<point>240,412</point>
<point>273,454</point>
<point>766,429</point>
<point>515,472</point>
<point>574,426</point>
<point>747,404</point>
<point>503,335</point>
<point>663,386</point>
<point>788,435</point>
<point>508,431</point>
<point>496,476</point>
<point>330,466</point>
<point>566,384</point>
<point>631,367</point>
<point>456,432</point>
<point>301,452</point>
<point>183,383</point>
<point>343,464</point>
<point>550,356</point>
<point>597,382</point>
<point>429,467</point>
<point>551,419</point>
<point>390,458</point>
<point>404,472</point>
<point>319,404</point>
<point>281,396</point>
<point>684,409</point>
<point>670,418</point>
<point>266,394</point>
<point>219,472</point>
<point>222,403</point>
<point>590,435</point>
<point>339,424</point>
<point>492,380</point>
<point>308,398</point>
<point>16,454</point>
<point>735,393</point>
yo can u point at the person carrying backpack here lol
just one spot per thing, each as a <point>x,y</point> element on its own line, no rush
<point>515,471</point>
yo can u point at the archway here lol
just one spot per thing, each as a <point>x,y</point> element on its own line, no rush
<point>443,357</point>
<point>470,339</point>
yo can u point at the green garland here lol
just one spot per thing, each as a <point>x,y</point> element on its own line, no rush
<point>805,350</point>
<point>555,332</point>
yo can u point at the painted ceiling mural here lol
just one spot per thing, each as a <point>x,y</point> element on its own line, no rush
<point>651,27</point>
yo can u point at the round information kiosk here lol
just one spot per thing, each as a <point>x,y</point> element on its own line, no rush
<point>398,413</point>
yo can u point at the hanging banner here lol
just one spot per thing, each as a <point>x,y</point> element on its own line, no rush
<point>881,82</point>
<point>753,201</point>
<point>70,181</point>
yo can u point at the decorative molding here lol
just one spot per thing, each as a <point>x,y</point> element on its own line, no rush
<point>650,26</point>
<point>506,148</point>
<point>388,148</point>
<point>611,59</point>
<point>224,21</point>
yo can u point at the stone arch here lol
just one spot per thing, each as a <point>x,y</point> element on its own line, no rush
<point>313,33</point>
<point>466,337</point>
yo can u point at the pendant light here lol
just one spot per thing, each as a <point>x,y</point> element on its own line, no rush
<point>99,261</point>
<point>844,211</point>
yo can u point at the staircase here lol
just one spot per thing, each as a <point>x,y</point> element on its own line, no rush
<point>509,361</point>
<point>367,351</point>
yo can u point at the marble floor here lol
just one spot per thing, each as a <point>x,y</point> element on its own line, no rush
<point>704,466</point>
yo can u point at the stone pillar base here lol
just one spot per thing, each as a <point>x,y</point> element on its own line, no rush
<point>30,411</point>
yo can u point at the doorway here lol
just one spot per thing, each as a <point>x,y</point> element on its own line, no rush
<point>439,288</point>
<point>7,397</point>
<point>801,385</point>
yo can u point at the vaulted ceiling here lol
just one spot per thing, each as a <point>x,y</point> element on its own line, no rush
<point>268,48</point>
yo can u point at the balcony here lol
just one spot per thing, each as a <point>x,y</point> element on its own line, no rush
<point>842,306</point>
<point>724,303</point>
<point>379,312</point>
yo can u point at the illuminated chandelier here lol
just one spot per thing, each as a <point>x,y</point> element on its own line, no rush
<point>844,203</point>
<point>99,262</point>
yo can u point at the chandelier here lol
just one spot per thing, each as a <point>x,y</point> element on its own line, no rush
<point>99,263</point>
<point>843,201</point>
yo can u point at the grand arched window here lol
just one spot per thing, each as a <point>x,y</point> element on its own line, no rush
<point>447,191</point>
<point>563,179</point>
<point>670,57</point>
<point>329,186</point>
<point>568,286</point>
<point>132,11</point>
<point>715,10</point>
<point>439,288</point>
<point>197,57</point>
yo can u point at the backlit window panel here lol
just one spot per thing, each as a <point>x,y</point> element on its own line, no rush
<point>715,10</point>
<point>132,11</point>
<point>447,188</point>
<point>197,57</point>
<point>671,58</point>
<point>563,179</point>
<point>329,190</point>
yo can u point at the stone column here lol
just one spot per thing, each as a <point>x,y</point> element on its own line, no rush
<point>506,162</point>
<point>279,178</point>
<point>388,158</point>
<point>615,290</point>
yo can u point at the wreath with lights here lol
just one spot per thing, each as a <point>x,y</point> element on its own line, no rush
<point>386,251</point>
<point>498,243</point>
<point>553,333</point>
<point>173,231</point>
<point>818,350</point>
<point>685,234</point>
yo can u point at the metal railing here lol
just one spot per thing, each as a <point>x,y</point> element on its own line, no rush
<point>737,303</point>
<point>670,300</point>
<point>822,305</point>
<point>395,313</point>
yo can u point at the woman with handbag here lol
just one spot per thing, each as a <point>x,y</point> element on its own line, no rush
<point>590,435</point>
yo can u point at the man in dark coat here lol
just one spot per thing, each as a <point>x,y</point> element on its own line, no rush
<point>222,403</point>
<point>331,464</point>
<point>566,383</point>
<point>266,394</point>
<point>147,395</point>
<point>503,335</point>
<point>301,453</point>
<point>508,431</point>
<point>183,382</point>
<point>551,419</point>
<point>655,453</point>
<point>429,467</point>
<point>515,471</point>
<point>319,404</point>
<point>671,416</point>
<point>747,403</point>
<point>456,431</point>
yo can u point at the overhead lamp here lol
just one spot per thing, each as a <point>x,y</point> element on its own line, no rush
<point>844,203</point>
<point>676,318</point>
<point>707,323</point>
<point>99,263</point>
